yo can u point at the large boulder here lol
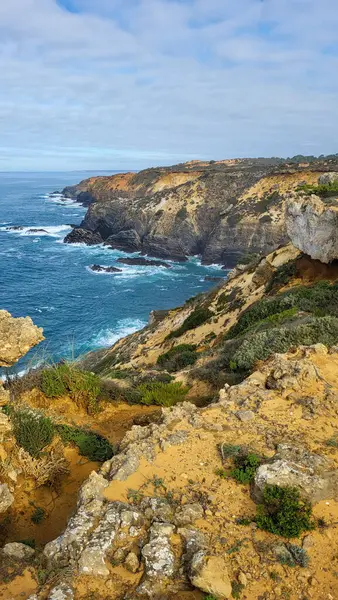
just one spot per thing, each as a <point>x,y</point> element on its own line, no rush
<point>210,574</point>
<point>328,178</point>
<point>312,226</point>
<point>18,551</point>
<point>314,475</point>
<point>17,336</point>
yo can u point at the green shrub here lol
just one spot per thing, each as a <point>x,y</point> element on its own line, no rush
<point>283,512</point>
<point>325,190</point>
<point>82,386</point>
<point>38,515</point>
<point>299,555</point>
<point>229,450</point>
<point>260,345</point>
<point>246,466</point>
<point>282,275</point>
<point>332,442</point>
<point>319,299</point>
<point>162,394</point>
<point>32,432</point>
<point>195,319</point>
<point>178,357</point>
<point>92,445</point>
<point>236,589</point>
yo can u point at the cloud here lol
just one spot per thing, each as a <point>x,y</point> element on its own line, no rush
<point>117,84</point>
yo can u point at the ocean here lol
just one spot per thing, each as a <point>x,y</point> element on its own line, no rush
<point>50,281</point>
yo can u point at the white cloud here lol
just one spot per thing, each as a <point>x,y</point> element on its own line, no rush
<point>128,84</point>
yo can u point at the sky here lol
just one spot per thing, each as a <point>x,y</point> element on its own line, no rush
<point>127,84</point>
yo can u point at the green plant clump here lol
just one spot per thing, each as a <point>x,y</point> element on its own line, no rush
<point>32,431</point>
<point>38,515</point>
<point>196,318</point>
<point>324,190</point>
<point>178,357</point>
<point>245,467</point>
<point>282,275</point>
<point>83,387</point>
<point>283,512</point>
<point>162,394</point>
<point>260,345</point>
<point>237,589</point>
<point>92,445</point>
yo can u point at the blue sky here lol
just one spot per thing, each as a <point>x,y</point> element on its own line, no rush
<point>118,84</point>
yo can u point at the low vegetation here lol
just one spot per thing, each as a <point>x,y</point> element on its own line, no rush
<point>178,357</point>
<point>199,316</point>
<point>324,190</point>
<point>245,468</point>
<point>82,386</point>
<point>283,512</point>
<point>32,432</point>
<point>90,444</point>
<point>161,394</point>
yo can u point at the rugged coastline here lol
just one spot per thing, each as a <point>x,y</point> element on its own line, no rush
<point>226,485</point>
<point>219,210</point>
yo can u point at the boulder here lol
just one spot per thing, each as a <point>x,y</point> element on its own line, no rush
<point>314,475</point>
<point>328,178</point>
<point>6,498</point>
<point>188,513</point>
<point>158,554</point>
<point>132,563</point>
<point>83,236</point>
<point>312,226</point>
<point>210,574</point>
<point>18,551</point>
<point>17,336</point>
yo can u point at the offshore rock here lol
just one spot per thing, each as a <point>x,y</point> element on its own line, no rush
<point>83,236</point>
<point>17,336</point>
<point>143,262</point>
<point>102,269</point>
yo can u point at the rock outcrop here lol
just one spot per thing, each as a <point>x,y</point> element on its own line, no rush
<point>220,211</point>
<point>159,515</point>
<point>17,336</point>
<point>312,226</point>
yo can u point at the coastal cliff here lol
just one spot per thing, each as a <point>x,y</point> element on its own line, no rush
<point>224,483</point>
<point>219,210</point>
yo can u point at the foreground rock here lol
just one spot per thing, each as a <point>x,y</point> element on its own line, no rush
<point>102,269</point>
<point>17,336</point>
<point>160,516</point>
<point>143,262</point>
<point>210,574</point>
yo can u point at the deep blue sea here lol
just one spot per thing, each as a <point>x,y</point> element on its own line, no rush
<point>48,280</point>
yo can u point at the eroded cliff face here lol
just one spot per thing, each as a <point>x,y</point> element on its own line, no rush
<point>312,225</point>
<point>220,211</point>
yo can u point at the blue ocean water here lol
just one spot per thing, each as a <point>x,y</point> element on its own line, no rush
<point>48,280</point>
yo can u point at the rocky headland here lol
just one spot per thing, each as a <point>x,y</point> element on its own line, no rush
<point>225,482</point>
<point>219,210</point>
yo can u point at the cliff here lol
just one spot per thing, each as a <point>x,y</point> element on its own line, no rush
<point>224,483</point>
<point>217,210</point>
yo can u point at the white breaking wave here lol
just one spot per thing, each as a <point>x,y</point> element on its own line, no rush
<point>56,231</point>
<point>108,337</point>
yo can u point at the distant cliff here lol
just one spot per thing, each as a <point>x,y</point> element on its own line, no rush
<point>219,210</point>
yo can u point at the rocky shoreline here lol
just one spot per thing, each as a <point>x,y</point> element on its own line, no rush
<point>220,211</point>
